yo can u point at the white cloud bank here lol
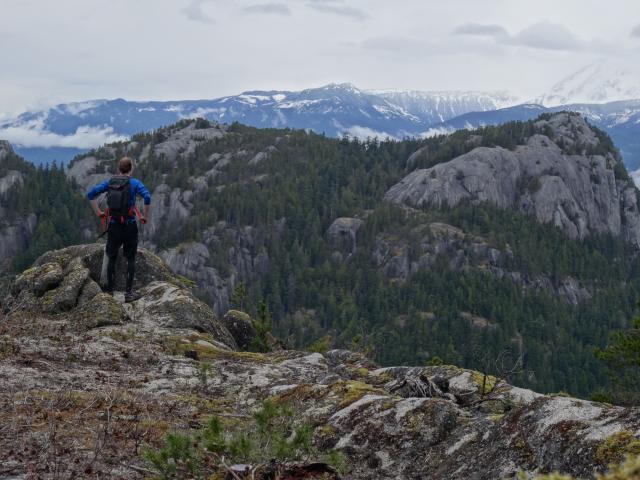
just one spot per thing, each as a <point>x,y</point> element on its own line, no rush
<point>363,133</point>
<point>33,134</point>
<point>437,131</point>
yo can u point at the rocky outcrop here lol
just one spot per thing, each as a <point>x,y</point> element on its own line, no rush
<point>240,325</point>
<point>170,306</point>
<point>341,234</point>
<point>106,386</point>
<point>68,281</point>
<point>245,255</point>
<point>183,141</point>
<point>15,236</point>
<point>583,194</point>
<point>5,149</point>
<point>89,171</point>
<point>169,206</point>
<point>12,177</point>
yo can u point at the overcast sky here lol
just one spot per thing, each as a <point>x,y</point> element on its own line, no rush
<point>54,51</point>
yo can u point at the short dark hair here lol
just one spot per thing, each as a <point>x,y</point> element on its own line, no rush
<point>125,165</point>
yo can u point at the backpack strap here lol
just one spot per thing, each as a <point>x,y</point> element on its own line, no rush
<point>105,220</point>
<point>136,210</point>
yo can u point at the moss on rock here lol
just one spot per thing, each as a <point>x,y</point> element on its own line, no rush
<point>351,391</point>
<point>178,345</point>
<point>39,279</point>
<point>486,383</point>
<point>616,446</point>
<point>100,311</point>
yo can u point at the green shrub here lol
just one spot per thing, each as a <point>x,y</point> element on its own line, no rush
<point>176,458</point>
<point>271,435</point>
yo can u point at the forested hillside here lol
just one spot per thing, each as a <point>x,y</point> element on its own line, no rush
<point>300,220</point>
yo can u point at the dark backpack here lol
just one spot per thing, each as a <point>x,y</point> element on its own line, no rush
<point>118,196</point>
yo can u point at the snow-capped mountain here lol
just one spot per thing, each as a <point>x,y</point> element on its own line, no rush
<point>601,82</point>
<point>438,106</point>
<point>336,110</point>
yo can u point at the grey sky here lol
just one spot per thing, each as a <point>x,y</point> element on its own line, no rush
<point>65,50</point>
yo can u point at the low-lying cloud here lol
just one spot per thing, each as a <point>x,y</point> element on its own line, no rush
<point>363,133</point>
<point>33,134</point>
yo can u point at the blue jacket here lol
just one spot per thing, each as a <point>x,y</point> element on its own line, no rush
<point>137,188</point>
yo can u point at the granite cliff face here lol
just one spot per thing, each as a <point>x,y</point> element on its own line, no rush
<point>15,232</point>
<point>241,247</point>
<point>561,176</point>
<point>86,382</point>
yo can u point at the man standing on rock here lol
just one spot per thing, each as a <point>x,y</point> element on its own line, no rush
<point>122,227</point>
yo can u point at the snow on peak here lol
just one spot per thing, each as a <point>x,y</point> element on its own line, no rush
<point>601,82</point>
<point>349,87</point>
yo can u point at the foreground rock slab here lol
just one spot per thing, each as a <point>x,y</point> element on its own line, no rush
<point>83,398</point>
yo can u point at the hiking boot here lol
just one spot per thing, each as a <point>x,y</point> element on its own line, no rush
<point>131,297</point>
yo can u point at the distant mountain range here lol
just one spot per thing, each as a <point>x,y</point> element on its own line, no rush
<point>337,109</point>
<point>607,94</point>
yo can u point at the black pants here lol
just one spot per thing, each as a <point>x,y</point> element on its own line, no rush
<point>125,235</point>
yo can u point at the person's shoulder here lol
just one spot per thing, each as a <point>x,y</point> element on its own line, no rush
<point>137,183</point>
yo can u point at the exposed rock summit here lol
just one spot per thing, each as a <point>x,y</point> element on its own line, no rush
<point>68,281</point>
<point>582,192</point>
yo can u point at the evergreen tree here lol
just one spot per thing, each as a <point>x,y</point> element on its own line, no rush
<point>622,356</point>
